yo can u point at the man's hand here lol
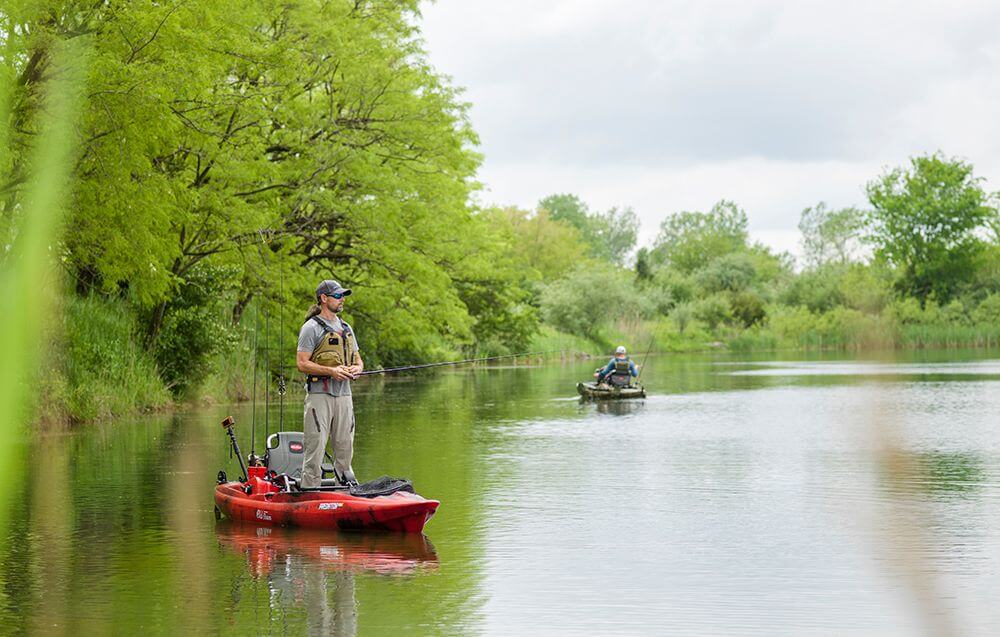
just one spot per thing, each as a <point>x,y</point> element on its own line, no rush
<point>355,370</point>
<point>340,372</point>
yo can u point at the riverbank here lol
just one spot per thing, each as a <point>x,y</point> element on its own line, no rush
<point>99,368</point>
<point>788,329</point>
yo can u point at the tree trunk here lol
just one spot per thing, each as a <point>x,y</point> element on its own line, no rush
<point>239,306</point>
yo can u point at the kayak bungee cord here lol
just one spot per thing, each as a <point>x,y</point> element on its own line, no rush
<point>462,362</point>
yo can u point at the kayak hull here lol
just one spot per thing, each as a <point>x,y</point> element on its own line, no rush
<point>402,511</point>
<point>595,391</point>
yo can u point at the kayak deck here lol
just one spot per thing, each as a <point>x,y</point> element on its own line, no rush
<point>401,511</point>
<point>602,391</point>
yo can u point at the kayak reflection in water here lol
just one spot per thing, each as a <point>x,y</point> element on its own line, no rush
<point>314,570</point>
<point>617,407</point>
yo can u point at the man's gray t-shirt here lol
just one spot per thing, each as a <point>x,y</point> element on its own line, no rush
<point>309,337</point>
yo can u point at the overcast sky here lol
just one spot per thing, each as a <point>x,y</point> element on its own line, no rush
<point>672,105</point>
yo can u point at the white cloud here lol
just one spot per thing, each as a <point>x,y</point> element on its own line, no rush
<point>673,105</point>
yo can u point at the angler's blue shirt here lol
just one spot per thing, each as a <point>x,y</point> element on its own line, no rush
<point>611,367</point>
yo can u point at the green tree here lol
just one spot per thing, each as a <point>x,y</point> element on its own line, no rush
<point>643,268</point>
<point>550,248</point>
<point>610,236</point>
<point>690,240</point>
<point>927,220</point>
<point>830,236</point>
<point>568,208</point>
<point>300,140</point>
<point>730,272</point>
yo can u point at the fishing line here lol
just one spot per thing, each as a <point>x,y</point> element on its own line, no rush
<point>461,362</point>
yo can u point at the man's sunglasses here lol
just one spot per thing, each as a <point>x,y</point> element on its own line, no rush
<point>337,295</point>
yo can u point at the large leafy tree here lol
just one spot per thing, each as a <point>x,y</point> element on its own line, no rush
<point>929,220</point>
<point>547,247</point>
<point>610,236</point>
<point>266,141</point>
<point>689,241</point>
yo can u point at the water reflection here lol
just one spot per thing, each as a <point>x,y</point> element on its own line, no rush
<point>616,407</point>
<point>934,472</point>
<point>315,570</point>
<point>378,553</point>
<point>720,504</point>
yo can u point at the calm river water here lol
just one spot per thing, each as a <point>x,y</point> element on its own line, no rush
<point>744,496</point>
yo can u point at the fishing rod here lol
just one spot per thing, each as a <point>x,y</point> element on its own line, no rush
<point>253,417</point>
<point>281,331</point>
<point>462,362</point>
<point>267,374</point>
<point>649,348</point>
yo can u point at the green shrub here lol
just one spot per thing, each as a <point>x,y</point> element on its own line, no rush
<point>682,316</point>
<point>819,290</point>
<point>679,287</point>
<point>797,325</point>
<point>194,327</point>
<point>102,370</point>
<point>588,299</point>
<point>988,310</point>
<point>754,339</point>
<point>731,272</point>
<point>954,313</point>
<point>713,310</point>
<point>867,288</point>
<point>748,308</point>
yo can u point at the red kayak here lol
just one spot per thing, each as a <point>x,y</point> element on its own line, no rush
<point>400,511</point>
<point>270,496</point>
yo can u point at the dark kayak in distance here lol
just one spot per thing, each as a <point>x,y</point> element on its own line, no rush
<point>603,391</point>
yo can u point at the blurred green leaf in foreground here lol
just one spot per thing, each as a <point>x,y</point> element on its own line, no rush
<point>31,207</point>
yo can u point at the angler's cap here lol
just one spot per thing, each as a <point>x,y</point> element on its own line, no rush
<point>331,287</point>
<point>620,349</point>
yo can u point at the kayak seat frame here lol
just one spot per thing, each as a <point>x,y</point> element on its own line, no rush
<point>284,452</point>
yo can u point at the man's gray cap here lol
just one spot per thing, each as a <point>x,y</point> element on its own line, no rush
<point>620,349</point>
<point>331,287</point>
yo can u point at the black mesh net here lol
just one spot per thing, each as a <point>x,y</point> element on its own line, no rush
<point>381,486</point>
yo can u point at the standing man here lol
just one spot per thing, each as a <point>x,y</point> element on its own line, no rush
<point>328,356</point>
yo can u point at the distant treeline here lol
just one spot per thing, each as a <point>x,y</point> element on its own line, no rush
<point>230,155</point>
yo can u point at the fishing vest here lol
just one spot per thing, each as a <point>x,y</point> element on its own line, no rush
<point>621,375</point>
<point>334,349</point>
